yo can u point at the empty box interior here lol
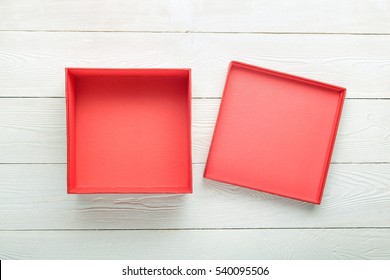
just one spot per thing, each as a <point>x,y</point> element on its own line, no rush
<point>129,130</point>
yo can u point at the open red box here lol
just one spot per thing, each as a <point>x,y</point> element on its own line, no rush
<point>129,130</point>
<point>275,132</point>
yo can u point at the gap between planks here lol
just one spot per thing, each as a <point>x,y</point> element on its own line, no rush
<point>196,229</point>
<point>199,32</point>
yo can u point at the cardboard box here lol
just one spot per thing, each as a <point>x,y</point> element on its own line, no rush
<point>275,132</point>
<point>129,130</point>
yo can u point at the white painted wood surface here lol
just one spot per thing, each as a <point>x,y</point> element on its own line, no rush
<point>34,197</point>
<point>198,244</point>
<point>342,42</point>
<point>335,16</point>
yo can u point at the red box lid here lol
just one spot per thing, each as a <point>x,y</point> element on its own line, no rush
<point>275,132</point>
<point>129,130</point>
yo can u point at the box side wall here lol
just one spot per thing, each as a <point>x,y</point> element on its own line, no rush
<point>70,81</point>
<point>331,144</point>
<point>189,97</point>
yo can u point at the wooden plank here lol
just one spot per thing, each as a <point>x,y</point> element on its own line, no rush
<point>198,244</point>
<point>32,63</point>
<point>113,15</point>
<point>33,130</point>
<point>363,134</point>
<point>33,196</point>
<point>345,16</point>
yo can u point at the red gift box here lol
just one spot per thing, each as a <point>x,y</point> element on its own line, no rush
<point>129,130</point>
<point>275,132</point>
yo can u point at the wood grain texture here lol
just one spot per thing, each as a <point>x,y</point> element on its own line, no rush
<point>342,16</point>
<point>32,63</point>
<point>198,244</point>
<point>33,130</point>
<point>338,42</point>
<point>345,16</point>
<point>101,15</point>
<point>33,196</point>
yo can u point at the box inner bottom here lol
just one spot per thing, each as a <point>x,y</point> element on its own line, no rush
<point>131,134</point>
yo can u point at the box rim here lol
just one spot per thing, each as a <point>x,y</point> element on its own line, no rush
<point>329,150</point>
<point>69,72</point>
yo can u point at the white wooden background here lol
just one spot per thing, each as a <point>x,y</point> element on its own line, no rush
<point>344,42</point>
